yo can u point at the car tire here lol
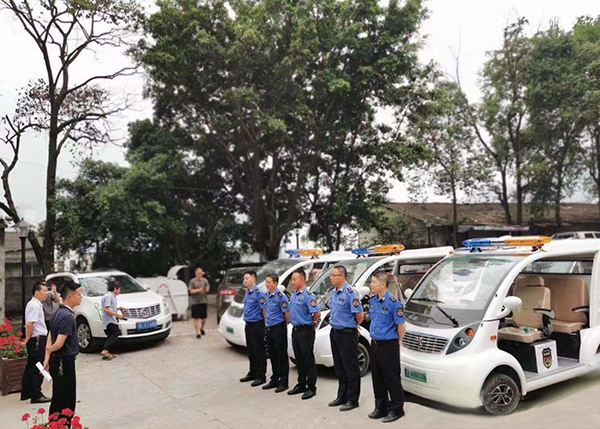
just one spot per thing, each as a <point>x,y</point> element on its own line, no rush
<point>364,358</point>
<point>500,394</point>
<point>87,343</point>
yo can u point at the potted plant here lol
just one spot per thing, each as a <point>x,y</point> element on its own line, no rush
<point>66,420</point>
<point>13,358</point>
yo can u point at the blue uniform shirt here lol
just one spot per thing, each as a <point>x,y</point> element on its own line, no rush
<point>254,302</point>
<point>277,305</point>
<point>303,305</point>
<point>386,315</point>
<point>344,304</point>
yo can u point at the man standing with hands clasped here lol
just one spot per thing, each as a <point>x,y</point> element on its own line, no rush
<point>387,330</point>
<point>110,319</point>
<point>304,314</point>
<point>254,304</point>
<point>346,315</point>
<point>277,317</point>
<point>62,349</point>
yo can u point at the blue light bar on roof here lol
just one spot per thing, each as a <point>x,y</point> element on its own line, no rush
<point>535,241</point>
<point>360,252</point>
<point>293,252</point>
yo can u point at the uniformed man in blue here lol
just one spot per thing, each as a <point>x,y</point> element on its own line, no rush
<point>387,330</point>
<point>254,305</point>
<point>277,317</point>
<point>304,314</point>
<point>346,314</point>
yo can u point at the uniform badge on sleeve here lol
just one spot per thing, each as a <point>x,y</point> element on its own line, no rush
<point>400,312</point>
<point>262,300</point>
<point>313,303</point>
<point>355,302</point>
<point>284,305</point>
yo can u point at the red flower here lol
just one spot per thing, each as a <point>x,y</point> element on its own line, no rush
<point>67,412</point>
<point>53,416</point>
<point>41,411</point>
<point>25,417</point>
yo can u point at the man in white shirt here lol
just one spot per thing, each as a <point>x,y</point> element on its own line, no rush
<point>110,319</point>
<point>35,341</point>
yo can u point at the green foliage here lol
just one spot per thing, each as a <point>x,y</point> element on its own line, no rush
<point>394,229</point>
<point>147,217</point>
<point>281,96</point>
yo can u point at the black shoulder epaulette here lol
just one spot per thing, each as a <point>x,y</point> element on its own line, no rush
<point>393,298</point>
<point>350,289</point>
<point>279,294</point>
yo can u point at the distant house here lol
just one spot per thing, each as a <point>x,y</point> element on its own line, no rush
<point>433,221</point>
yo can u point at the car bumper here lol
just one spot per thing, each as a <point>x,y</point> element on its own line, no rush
<point>441,378</point>
<point>153,336</point>
<point>233,329</point>
<point>129,327</point>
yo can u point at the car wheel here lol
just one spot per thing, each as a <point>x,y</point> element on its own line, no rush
<point>364,358</point>
<point>84,336</point>
<point>500,394</point>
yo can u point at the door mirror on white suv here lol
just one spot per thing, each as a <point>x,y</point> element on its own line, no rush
<point>408,293</point>
<point>364,291</point>
<point>509,304</point>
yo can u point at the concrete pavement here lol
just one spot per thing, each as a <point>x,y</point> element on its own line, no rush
<point>191,383</point>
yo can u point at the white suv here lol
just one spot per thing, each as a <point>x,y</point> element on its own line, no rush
<point>148,315</point>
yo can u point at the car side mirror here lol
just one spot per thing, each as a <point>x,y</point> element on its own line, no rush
<point>408,293</point>
<point>509,304</point>
<point>364,291</point>
<point>280,288</point>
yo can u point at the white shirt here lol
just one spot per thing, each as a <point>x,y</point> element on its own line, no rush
<point>34,312</point>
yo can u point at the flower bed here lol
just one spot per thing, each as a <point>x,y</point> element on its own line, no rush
<point>13,358</point>
<point>67,419</point>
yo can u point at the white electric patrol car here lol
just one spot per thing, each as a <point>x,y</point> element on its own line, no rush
<point>407,267</point>
<point>502,318</point>
<point>232,326</point>
<point>148,314</point>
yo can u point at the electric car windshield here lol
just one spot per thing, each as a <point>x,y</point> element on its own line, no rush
<point>355,268</point>
<point>458,290</point>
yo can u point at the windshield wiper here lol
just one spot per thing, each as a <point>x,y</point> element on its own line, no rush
<point>435,303</point>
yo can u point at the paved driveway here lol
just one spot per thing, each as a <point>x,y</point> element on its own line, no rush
<point>190,383</point>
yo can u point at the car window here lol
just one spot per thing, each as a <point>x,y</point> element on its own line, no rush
<point>98,286</point>
<point>588,235</point>
<point>597,235</point>
<point>559,267</point>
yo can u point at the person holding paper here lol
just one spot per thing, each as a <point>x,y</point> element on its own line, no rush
<point>35,341</point>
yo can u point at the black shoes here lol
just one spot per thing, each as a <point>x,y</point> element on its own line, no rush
<point>309,394</point>
<point>269,385</point>
<point>258,382</point>
<point>377,413</point>
<point>41,400</point>
<point>297,389</point>
<point>337,402</point>
<point>202,332</point>
<point>247,377</point>
<point>281,388</point>
<point>349,406</point>
<point>393,416</point>
<point>198,336</point>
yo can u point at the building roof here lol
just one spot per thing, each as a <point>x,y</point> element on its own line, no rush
<point>492,213</point>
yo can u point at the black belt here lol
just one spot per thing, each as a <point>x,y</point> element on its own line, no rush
<point>275,326</point>
<point>384,342</point>
<point>345,330</point>
<point>303,327</point>
<point>256,321</point>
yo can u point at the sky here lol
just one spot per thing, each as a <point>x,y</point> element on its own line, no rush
<point>474,26</point>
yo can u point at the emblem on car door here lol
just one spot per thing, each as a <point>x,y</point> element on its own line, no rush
<point>547,357</point>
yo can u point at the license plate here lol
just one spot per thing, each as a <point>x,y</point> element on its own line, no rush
<point>144,326</point>
<point>415,375</point>
<point>229,330</point>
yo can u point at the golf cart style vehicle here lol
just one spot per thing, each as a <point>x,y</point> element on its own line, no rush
<point>406,268</point>
<point>148,314</point>
<point>232,326</point>
<point>501,318</point>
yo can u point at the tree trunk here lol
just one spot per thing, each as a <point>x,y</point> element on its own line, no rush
<point>50,224</point>
<point>519,180</point>
<point>557,200</point>
<point>454,216</point>
<point>504,197</point>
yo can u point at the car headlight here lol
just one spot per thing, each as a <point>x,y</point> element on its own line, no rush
<point>463,338</point>
<point>166,306</point>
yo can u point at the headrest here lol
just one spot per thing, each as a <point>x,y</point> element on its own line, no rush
<point>530,281</point>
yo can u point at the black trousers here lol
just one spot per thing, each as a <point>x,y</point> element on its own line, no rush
<point>277,342</point>
<point>303,341</point>
<point>62,370</point>
<point>385,370</point>
<point>112,331</point>
<point>344,345</point>
<point>255,344</point>
<point>31,386</point>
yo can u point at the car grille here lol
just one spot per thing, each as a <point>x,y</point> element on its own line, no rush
<point>235,311</point>
<point>424,343</point>
<point>142,313</point>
